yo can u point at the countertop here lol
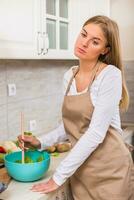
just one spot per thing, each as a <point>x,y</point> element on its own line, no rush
<point>19,190</point>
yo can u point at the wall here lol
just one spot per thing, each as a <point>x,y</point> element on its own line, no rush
<point>128,117</point>
<point>123,12</point>
<point>39,94</point>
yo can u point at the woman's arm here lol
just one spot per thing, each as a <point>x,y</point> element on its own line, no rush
<point>109,95</point>
<point>54,136</point>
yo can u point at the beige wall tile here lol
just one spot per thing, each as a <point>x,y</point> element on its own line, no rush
<point>3,122</point>
<point>39,93</point>
<point>3,86</point>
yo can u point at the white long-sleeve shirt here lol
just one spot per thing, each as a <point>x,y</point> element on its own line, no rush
<point>105,91</point>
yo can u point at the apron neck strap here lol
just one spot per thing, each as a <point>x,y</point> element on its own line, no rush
<point>96,67</point>
<point>76,71</point>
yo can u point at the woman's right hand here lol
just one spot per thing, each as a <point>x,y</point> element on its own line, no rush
<point>29,141</point>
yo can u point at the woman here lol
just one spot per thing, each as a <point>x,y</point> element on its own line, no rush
<point>99,164</point>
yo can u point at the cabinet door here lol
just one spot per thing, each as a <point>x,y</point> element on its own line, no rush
<point>55,23</point>
<point>80,11</point>
<point>100,7</point>
<point>18,28</point>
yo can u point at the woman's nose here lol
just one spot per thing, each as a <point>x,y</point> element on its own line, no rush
<point>85,42</point>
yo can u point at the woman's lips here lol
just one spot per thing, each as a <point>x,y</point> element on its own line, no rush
<point>81,50</point>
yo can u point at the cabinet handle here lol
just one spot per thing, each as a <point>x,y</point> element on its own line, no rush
<point>39,43</point>
<point>45,43</point>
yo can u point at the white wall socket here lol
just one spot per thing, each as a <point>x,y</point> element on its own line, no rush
<point>11,89</point>
<point>32,125</point>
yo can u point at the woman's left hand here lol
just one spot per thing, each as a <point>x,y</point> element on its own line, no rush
<point>47,187</point>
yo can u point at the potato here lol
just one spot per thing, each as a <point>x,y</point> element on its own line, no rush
<point>51,149</point>
<point>63,147</point>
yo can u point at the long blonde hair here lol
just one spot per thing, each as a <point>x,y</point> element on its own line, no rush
<point>111,32</point>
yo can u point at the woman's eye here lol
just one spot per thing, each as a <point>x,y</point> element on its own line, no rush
<point>95,43</point>
<point>83,34</point>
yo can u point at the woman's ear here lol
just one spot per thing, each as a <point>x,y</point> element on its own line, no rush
<point>105,51</point>
<point>104,54</point>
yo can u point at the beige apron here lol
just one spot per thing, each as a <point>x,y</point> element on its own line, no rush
<point>106,174</point>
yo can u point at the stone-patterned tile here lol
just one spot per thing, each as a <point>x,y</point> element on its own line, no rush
<point>3,85</point>
<point>39,93</point>
<point>27,79</point>
<point>46,112</point>
<point>33,80</point>
<point>3,123</point>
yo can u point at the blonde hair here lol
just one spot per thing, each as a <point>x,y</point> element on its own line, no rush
<point>111,32</point>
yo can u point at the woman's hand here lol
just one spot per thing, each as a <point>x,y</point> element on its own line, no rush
<point>47,187</point>
<point>29,141</point>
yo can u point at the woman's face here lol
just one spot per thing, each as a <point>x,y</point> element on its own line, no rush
<point>90,43</point>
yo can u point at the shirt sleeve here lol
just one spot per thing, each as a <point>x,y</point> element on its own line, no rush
<point>109,95</point>
<point>53,137</point>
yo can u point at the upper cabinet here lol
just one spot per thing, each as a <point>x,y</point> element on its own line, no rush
<point>56,24</point>
<point>44,29</point>
<point>18,28</point>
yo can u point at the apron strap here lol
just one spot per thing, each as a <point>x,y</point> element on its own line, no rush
<point>70,82</point>
<point>96,67</point>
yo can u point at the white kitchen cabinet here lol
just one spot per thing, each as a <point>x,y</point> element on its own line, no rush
<point>18,28</point>
<point>28,27</point>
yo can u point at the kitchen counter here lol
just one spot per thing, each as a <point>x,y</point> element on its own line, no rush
<point>20,190</point>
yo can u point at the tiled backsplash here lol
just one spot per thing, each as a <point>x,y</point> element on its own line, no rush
<point>128,117</point>
<point>39,94</point>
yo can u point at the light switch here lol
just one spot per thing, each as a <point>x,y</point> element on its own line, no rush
<point>11,89</point>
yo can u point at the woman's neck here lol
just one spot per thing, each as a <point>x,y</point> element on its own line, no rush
<point>87,66</point>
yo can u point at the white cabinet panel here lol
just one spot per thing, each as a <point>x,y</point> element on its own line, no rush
<point>18,28</point>
<point>80,11</point>
<point>100,7</point>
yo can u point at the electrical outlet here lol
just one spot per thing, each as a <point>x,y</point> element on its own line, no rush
<point>11,89</point>
<point>32,125</point>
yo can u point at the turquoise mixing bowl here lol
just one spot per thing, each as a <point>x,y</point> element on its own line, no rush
<point>27,172</point>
